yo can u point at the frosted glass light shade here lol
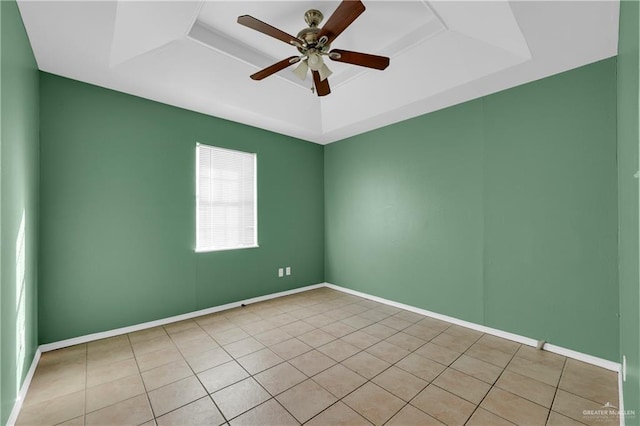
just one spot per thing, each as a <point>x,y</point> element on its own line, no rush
<point>324,72</point>
<point>315,61</point>
<point>301,70</point>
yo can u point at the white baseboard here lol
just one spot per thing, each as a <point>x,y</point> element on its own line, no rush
<point>621,399</point>
<point>600,362</point>
<point>13,416</point>
<point>569,353</point>
<point>130,329</point>
<point>124,330</point>
<point>589,359</point>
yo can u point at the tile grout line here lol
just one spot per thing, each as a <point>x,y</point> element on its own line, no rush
<point>492,386</point>
<point>405,403</point>
<point>317,373</point>
<point>224,417</point>
<point>364,349</point>
<point>337,362</point>
<point>250,376</point>
<point>430,382</point>
<point>140,372</point>
<point>334,320</point>
<point>335,338</point>
<point>565,360</point>
<point>555,392</point>
<point>172,382</point>
<point>360,349</point>
<point>444,331</point>
<point>556,387</point>
<point>445,369</point>
<point>307,378</point>
<point>340,363</point>
<point>144,385</point>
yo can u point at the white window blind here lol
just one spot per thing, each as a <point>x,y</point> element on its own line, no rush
<point>225,199</point>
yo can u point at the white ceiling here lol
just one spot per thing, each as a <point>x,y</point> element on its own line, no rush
<point>193,54</point>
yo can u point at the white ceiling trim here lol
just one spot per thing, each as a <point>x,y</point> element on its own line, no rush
<point>134,33</point>
<point>192,54</point>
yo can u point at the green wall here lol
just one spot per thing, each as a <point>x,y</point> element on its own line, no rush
<point>118,212</point>
<point>509,210</point>
<point>501,211</point>
<point>19,99</point>
<point>628,78</point>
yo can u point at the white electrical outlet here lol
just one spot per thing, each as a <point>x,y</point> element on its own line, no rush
<point>280,272</point>
<point>288,270</point>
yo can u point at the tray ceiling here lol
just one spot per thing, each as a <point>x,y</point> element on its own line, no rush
<point>193,54</point>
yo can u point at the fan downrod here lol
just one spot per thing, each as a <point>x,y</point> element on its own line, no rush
<point>309,35</point>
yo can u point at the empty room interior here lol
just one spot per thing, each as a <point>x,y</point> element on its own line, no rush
<point>319,212</point>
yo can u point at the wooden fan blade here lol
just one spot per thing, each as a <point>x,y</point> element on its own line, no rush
<point>344,15</point>
<point>275,68</point>
<point>256,24</point>
<point>362,59</point>
<point>322,87</point>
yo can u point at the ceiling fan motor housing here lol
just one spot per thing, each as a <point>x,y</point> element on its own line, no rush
<point>309,35</point>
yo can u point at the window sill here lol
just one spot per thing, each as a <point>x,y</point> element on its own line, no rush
<point>208,250</point>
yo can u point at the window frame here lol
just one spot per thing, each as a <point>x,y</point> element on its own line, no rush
<point>198,249</point>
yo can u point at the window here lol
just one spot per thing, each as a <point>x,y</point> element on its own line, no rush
<point>226,216</point>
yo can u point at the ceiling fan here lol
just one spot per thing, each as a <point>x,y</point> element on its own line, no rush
<point>313,43</point>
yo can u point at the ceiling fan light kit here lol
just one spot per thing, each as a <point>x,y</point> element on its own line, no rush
<point>301,70</point>
<point>313,43</point>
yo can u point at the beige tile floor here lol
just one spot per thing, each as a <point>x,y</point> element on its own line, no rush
<point>320,357</point>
